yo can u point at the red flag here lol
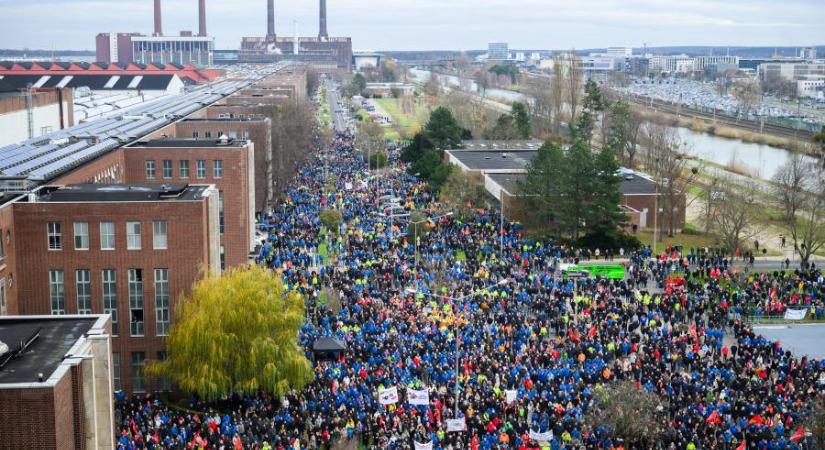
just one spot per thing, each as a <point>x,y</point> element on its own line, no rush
<point>743,445</point>
<point>799,434</point>
<point>714,417</point>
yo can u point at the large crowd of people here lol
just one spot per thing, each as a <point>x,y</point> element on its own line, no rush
<point>480,318</point>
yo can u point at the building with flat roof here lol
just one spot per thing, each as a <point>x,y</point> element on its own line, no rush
<point>28,113</point>
<point>502,165</point>
<point>56,383</point>
<point>497,51</point>
<point>127,250</point>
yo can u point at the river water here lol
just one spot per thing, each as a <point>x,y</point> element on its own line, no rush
<point>758,160</point>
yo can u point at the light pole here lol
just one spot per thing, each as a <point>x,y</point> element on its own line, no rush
<point>415,224</point>
<point>455,300</point>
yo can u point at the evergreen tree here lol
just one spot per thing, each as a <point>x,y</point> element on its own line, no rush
<point>543,185</point>
<point>521,119</point>
<point>443,130</point>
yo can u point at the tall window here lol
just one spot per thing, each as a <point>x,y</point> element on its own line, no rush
<point>184,168</point>
<point>217,168</point>
<point>162,301</point>
<point>167,168</point>
<point>83,288</point>
<point>133,236</point>
<point>2,245</point>
<point>138,362</point>
<point>223,259</point>
<point>136,302</point>
<point>150,169</point>
<point>109,278</point>
<point>163,382</point>
<point>3,309</point>
<point>116,371</point>
<point>107,235</point>
<point>159,235</point>
<point>194,134</point>
<point>201,168</point>
<point>57,292</point>
<point>207,134</point>
<point>81,235</point>
<point>55,236</point>
<point>220,211</point>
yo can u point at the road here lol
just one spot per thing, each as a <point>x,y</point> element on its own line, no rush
<point>339,120</point>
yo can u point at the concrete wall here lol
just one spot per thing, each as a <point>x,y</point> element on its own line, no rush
<point>46,112</point>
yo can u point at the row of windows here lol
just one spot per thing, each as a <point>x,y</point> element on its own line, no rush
<point>138,377</point>
<point>183,168</point>
<point>232,134</point>
<point>108,277</point>
<point>160,235</point>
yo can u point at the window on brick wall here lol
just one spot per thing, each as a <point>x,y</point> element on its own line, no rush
<point>195,134</point>
<point>201,168</point>
<point>133,236</point>
<point>83,289</point>
<point>107,235</point>
<point>150,169</point>
<point>167,168</point>
<point>220,211</point>
<point>55,235</point>
<point>162,301</point>
<point>118,385</point>
<point>217,168</point>
<point>184,168</point>
<point>3,307</point>
<point>57,294</point>
<point>138,364</point>
<point>81,235</point>
<point>136,302</point>
<point>160,235</point>
<point>109,279</point>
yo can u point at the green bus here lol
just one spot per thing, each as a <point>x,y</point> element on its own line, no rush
<point>612,271</point>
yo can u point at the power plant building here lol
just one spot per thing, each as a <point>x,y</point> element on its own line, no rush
<point>321,51</point>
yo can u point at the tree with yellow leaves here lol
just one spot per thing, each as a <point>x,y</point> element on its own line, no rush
<point>237,333</point>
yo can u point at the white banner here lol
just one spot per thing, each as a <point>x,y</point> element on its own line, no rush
<point>418,397</point>
<point>547,436</point>
<point>388,396</point>
<point>510,395</point>
<point>420,446</point>
<point>795,314</point>
<point>348,186</point>
<point>456,425</point>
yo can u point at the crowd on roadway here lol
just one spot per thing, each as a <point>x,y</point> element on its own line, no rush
<point>480,309</point>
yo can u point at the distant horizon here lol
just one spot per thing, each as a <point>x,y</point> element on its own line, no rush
<point>418,25</point>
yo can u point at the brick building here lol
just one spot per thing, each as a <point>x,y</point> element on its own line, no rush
<point>56,387</point>
<point>229,165</point>
<point>125,250</point>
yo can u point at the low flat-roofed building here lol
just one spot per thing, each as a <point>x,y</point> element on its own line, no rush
<point>56,383</point>
<point>129,251</point>
<point>501,165</point>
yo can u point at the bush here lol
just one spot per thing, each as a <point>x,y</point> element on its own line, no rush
<point>690,229</point>
<point>609,240</point>
<point>378,160</point>
<point>330,218</point>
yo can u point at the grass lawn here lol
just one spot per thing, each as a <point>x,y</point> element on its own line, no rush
<point>408,123</point>
<point>685,240</point>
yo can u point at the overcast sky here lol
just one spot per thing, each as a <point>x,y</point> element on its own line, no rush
<point>433,24</point>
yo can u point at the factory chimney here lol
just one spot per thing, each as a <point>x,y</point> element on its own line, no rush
<point>158,23</point>
<point>322,29</point>
<point>202,18</point>
<point>270,21</point>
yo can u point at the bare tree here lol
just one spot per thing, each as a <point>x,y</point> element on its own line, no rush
<point>573,83</point>
<point>668,163</point>
<point>799,191</point>
<point>462,194</point>
<point>736,217</point>
<point>370,138</point>
<point>557,91</point>
<point>629,412</point>
<point>748,94</point>
<point>541,109</point>
<point>293,133</point>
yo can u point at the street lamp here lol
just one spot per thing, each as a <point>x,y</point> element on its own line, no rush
<point>415,231</point>
<point>503,282</point>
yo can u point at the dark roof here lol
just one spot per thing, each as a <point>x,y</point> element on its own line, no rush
<point>94,82</point>
<point>509,181</point>
<point>494,160</point>
<point>634,183</point>
<point>481,144</point>
<point>190,143</point>
<point>328,344</point>
<point>6,87</point>
<point>57,336</point>
<point>121,193</point>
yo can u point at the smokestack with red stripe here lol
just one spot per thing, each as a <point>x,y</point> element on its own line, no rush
<point>270,20</point>
<point>158,23</point>
<point>201,17</point>
<point>322,28</point>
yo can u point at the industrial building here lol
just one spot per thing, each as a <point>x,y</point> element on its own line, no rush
<point>28,113</point>
<point>323,51</point>
<point>186,48</point>
<point>56,383</point>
